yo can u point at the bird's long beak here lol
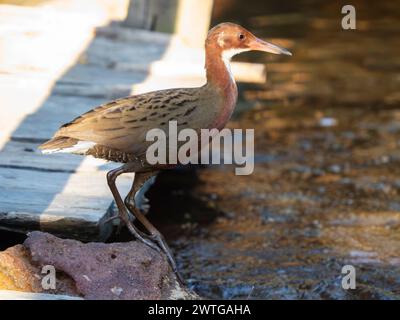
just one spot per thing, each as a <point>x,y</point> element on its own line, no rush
<point>261,45</point>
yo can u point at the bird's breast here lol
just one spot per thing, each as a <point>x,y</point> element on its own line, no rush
<point>226,106</point>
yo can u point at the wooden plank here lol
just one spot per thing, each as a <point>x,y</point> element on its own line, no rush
<point>25,155</point>
<point>69,205</point>
<point>84,183</point>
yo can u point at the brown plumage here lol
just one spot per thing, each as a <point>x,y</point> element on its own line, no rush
<point>119,128</point>
<point>116,130</point>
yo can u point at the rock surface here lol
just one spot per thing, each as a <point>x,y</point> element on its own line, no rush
<point>128,270</point>
<point>16,271</point>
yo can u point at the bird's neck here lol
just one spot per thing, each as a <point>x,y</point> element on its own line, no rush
<point>218,70</point>
<point>220,79</point>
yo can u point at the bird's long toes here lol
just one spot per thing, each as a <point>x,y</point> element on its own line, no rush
<point>179,277</point>
<point>140,235</point>
<point>167,251</point>
<point>153,245</point>
<point>150,243</point>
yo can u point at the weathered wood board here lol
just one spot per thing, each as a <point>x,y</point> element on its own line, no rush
<point>57,202</point>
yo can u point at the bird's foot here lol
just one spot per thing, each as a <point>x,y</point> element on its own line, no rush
<point>139,235</point>
<point>155,241</point>
<point>142,237</point>
<point>159,239</point>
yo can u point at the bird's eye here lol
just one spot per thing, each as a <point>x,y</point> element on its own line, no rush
<point>241,36</point>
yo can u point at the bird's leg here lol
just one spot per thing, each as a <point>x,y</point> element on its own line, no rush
<point>123,213</point>
<point>155,235</point>
<point>138,182</point>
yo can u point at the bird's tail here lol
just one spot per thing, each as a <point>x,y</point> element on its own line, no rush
<point>59,144</point>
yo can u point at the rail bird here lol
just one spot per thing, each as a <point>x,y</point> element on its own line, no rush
<point>116,131</point>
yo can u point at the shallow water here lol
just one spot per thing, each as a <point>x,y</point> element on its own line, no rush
<point>326,186</point>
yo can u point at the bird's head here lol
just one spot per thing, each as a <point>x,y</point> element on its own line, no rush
<point>230,39</point>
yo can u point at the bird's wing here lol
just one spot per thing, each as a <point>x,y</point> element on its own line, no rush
<point>122,124</point>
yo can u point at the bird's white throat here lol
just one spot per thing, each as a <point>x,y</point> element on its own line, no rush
<point>226,57</point>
